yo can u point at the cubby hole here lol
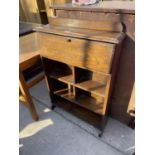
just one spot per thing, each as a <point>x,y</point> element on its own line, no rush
<point>65,90</point>
<point>81,86</point>
<point>58,70</point>
<point>93,82</point>
<point>82,98</point>
<point>57,86</point>
<point>89,100</point>
<point>82,75</point>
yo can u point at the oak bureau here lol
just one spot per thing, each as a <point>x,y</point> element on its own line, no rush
<point>80,60</point>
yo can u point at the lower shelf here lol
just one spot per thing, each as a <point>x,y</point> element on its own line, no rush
<point>85,101</point>
<point>93,87</point>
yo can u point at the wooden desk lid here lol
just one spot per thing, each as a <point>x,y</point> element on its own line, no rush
<point>95,30</point>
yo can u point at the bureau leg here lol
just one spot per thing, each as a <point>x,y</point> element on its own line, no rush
<point>132,122</point>
<point>52,96</point>
<point>53,107</point>
<point>103,124</point>
<point>53,100</point>
<point>100,134</point>
<point>25,92</point>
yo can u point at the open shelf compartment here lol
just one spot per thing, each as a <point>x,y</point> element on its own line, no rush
<point>89,101</point>
<point>58,70</point>
<point>91,81</point>
<point>83,87</point>
<point>83,98</point>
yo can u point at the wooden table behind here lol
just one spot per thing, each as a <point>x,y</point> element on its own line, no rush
<point>28,56</point>
<point>28,49</point>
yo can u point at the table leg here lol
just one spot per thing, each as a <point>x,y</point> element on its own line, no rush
<point>25,92</point>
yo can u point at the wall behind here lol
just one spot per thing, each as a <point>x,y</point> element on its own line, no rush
<point>29,9</point>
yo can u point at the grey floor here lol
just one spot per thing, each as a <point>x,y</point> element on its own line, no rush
<point>60,133</point>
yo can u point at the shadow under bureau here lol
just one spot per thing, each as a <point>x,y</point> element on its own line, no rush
<point>80,60</point>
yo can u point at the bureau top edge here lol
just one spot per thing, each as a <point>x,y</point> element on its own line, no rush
<point>100,36</point>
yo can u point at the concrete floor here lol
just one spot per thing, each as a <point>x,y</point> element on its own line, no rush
<point>60,133</point>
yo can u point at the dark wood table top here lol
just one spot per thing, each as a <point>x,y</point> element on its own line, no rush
<point>104,6</point>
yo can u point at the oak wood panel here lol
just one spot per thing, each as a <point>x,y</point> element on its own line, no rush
<point>111,37</point>
<point>100,77</point>
<point>87,24</point>
<point>88,54</point>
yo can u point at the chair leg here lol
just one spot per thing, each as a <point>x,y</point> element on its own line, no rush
<point>25,92</point>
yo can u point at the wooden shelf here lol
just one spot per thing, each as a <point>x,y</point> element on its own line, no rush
<point>93,87</point>
<point>58,70</point>
<point>85,101</point>
<point>67,79</point>
<point>64,78</point>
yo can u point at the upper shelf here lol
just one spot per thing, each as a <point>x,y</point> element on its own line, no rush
<point>64,78</point>
<point>94,30</point>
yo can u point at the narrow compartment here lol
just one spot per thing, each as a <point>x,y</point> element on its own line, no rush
<point>57,86</point>
<point>89,101</point>
<point>91,81</point>
<point>82,75</point>
<point>83,98</point>
<point>66,93</point>
<point>59,70</point>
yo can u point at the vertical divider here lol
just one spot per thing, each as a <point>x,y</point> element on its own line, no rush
<point>69,88</point>
<point>74,80</point>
